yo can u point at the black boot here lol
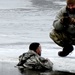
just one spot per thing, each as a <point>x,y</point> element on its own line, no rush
<point>66,50</point>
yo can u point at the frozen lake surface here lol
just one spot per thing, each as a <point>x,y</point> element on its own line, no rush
<point>26,21</point>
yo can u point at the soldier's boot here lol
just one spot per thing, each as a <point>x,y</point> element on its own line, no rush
<point>66,50</point>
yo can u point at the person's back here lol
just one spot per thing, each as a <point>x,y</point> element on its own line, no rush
<point>32,60</point>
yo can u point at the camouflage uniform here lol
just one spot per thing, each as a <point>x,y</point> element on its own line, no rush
<point>31,60</point>
<point>61,34</point>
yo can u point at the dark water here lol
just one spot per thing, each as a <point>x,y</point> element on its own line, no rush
<point>10,69</point>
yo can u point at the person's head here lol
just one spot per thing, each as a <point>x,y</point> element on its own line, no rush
<point>71,5</point>
<point>36,47</point>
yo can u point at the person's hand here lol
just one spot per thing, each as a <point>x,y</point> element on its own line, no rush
<point>72,20</point>
<point>66,20</point>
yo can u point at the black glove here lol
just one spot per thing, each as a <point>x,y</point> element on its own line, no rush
<point>66,19</point>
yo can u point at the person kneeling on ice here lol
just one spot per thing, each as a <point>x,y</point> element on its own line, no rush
<point>33,60</point>
<point>63,33</point>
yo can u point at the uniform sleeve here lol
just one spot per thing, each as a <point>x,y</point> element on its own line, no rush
<point>38,63</point>
<point>57,22</point>
<point>46,63</point>
<point>33,63</point>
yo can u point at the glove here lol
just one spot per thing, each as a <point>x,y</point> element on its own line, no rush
<point>66,20</point>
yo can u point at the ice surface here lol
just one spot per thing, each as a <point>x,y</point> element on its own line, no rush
<point>26,21</point>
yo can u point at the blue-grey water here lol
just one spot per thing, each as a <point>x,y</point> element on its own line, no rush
<point>25,21</point>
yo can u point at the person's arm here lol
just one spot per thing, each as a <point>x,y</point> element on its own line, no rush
<point>45,63</point>
<point>62,20</point>
<point>57,22</point>
<point>38,63</point>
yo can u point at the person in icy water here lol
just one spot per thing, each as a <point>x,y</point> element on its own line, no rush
<point>63,33</point>
<point>33,60</point>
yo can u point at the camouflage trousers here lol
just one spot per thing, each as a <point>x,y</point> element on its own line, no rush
<point>62,38</point>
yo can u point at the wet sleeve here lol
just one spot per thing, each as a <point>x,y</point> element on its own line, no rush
<point>46,64</point>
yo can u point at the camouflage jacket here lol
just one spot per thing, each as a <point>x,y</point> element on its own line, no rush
<point>31,60</point>
<point>57,22</point>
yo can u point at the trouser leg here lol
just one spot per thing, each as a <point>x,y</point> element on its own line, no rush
<point>62,40</point>
<point>59,38</point>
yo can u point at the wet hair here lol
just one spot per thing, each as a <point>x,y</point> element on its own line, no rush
<point>33,46</point>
